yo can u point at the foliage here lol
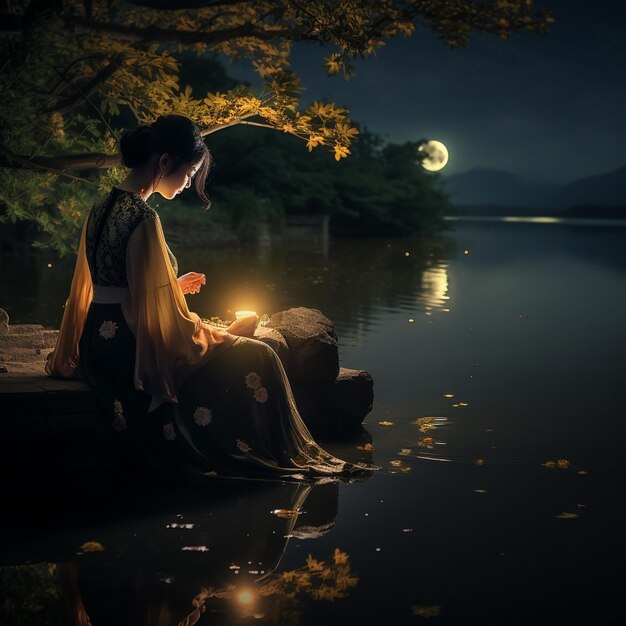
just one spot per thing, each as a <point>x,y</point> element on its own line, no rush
<point>379,190</point>
<point>74,73</point>
<point>31,595</point>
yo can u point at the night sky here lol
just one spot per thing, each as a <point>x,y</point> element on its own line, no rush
<point>546,107</point>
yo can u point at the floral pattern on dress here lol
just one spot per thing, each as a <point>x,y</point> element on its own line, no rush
<point>243,446</point>
<point>108,329</point>
<point>168,431</point>
<point>260,395</point>
<point>202,416</point>
<point>253,380</point>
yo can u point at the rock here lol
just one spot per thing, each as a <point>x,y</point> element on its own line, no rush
<point>276,341</point>
<point>23,348</point>
<point>4,322</point>
<point>313,346</point>
<point>352,397</point>
<point>338,406</point>
<point>50,338</point>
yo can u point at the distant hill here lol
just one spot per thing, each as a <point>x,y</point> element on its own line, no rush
<point>604,190</point>
<point>483,186</point>
<point>492,191</point>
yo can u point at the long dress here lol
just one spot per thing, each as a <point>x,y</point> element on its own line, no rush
<point>182,396</point>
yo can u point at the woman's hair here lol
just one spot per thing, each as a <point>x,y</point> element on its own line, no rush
<point>177,135</point>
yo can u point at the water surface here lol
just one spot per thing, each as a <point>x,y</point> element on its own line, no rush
<point>506,508</point>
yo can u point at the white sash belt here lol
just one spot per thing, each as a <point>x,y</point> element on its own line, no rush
<point>109,295</point>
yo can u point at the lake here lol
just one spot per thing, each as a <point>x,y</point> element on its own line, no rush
<point>498,353</point>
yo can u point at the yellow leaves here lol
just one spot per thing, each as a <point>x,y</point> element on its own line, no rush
<point>314,141</point>
<point>426,442</point>
<point>566,515</point>
<point>339,557</point>
<point>405,451</point>
<point>333,63</point>
<point>313,564</point>
<point>368,447</point>
<point>92,546</point>
<point>480,461</point>
<point>341,152</point>
<point>346,130</point>
<point>560,464</point>
<point>425,423</point>
<point>322,110</point>
<point>400,466</point>
<point>386,423</point>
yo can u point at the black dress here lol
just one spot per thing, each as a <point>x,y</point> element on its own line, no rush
<point>231,414</point>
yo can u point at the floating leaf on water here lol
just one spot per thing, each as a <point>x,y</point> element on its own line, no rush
<point>396,463</point>
<point>566,515</point>
<point>407,530</point>
<point>421,610</point>
<point>561,464</point>
<point>286,513</point>
<point>463,404</point>
<point>386,423</point>
<point>405,452</point>
<point>368,447</point>
<point>340,557</point>
<point>448,395</point>
<point>480,491</point>
<point>582,472</point>
<point>425,423</point>
<point>426,442</point>
<point>92,546</point>
<point>194,549</point>
<point>480,461</point>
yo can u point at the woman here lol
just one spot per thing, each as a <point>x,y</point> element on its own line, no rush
<point>184,395</point>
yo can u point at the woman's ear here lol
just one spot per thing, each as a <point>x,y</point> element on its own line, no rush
<point>165,163</point>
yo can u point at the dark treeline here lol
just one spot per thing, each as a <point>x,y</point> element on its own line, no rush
<point>263,175</point>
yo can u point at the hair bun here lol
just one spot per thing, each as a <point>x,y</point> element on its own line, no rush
<point>136,145</point>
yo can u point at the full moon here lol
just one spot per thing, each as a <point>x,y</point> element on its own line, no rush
<point>433,155</point>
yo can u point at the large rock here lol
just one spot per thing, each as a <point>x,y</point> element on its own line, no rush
<point>23,348</point>
<point>313,346</point>
<point>339,406</point>
<point>4,322</point>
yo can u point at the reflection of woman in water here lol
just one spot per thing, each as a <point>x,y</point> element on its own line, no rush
<point>182,394</point>
<point>154,563</point>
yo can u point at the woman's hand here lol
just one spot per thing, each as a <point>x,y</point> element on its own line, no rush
<point>191,282</point>
<point>244,327</point>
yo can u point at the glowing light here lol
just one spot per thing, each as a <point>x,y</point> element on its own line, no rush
<point>533,220</point>
<point>241,314</point>
<point>49,264</point>
<point>434,288</point>
<point>246,597</point>
<point>433,155</point>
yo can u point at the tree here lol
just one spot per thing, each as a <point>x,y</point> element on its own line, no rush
<point>74,72</point>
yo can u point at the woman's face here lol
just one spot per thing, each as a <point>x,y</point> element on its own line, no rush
<point>178,178</point>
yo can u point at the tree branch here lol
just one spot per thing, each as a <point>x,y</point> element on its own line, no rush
<point>58,164</point>
<point>82,95</point>
<point>78,25</point>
